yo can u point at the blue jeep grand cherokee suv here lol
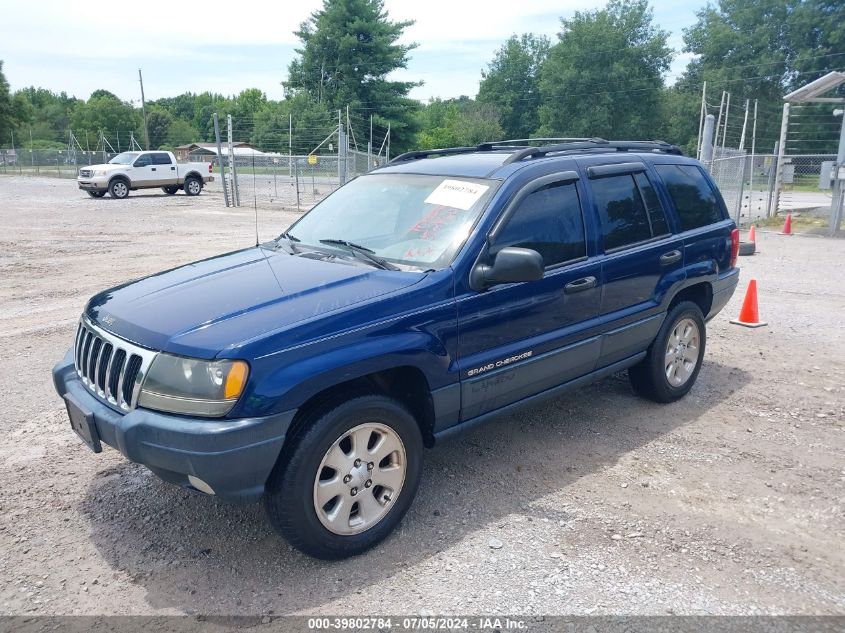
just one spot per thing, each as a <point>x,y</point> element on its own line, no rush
<point>438,291</point>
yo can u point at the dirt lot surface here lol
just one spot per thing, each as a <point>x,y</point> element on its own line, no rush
<point>728,502</point>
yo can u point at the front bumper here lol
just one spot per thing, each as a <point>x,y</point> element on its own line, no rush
<point>92,185</point>
<point>233,456</point>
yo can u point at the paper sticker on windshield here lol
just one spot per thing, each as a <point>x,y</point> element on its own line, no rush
<point>457,194</point>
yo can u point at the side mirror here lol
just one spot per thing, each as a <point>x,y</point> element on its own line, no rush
<point>511,265</point>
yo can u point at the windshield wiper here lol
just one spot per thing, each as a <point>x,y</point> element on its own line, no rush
<point>362,252</point>
<point>290,239</point>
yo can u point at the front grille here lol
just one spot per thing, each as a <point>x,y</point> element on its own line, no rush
<point>85,173</point>
<point>110,367</point>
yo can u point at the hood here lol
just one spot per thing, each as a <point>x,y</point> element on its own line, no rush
<point>205,307</point>
<point>103,166</point>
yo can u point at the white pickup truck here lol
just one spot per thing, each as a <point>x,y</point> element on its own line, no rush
<point>143,170</point>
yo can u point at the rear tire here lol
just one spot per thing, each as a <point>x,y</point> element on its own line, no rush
<point>170,189</point>
<point>96,194</point>
<point>347,478</point>
<point>119,188</point>
<point>673,361</point>
<point>747,248</point>
<point>193,186</point>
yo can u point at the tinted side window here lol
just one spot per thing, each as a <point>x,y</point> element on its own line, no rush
<point>548,221</point>
<point>694,198</point>
<point>143,161</point>
<point>160,158</point>
<point>621,211</point>
<point>656,216</point>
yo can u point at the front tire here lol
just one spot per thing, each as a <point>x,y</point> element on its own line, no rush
<point>119,188</point>
<point>671,367</point>
<point>348,477</point>
<point>193,186</point>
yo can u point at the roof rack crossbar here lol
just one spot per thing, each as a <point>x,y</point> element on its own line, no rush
<point>596,143</point>
<point>425,153</point>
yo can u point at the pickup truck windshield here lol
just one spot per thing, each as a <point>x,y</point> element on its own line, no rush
<point>126,158</point>
<point>416,220</point>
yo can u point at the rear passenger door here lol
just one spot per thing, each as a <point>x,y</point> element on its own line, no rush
<point>642,257</point>
<point>519,339</point>
<point>164,171</point>
<point>704,223</point>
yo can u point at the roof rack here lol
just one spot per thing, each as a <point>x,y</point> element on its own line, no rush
<point>595,143</point>
<point>425,153</point>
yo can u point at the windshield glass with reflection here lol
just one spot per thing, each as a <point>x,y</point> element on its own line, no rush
<point>416,220</point>
<point>126,158</point>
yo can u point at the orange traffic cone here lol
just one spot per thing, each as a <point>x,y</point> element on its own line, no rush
<point>787,225</point>
<point>749,315</point>
<point>752,235</point>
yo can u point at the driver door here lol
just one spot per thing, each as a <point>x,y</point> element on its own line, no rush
<point>143,171</point>
<point>519,339</point>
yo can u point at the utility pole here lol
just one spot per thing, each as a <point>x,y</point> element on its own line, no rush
<point>387,157</point>
<point>144,111</point>
<point>290,144</point>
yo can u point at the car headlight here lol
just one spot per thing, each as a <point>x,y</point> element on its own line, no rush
<point>193,387</point>
<point>98,172</point>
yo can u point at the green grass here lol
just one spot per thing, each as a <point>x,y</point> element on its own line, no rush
<point>804,183</point>
<point>800,222</point>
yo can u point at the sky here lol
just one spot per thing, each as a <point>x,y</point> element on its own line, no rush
<point>226,47</point>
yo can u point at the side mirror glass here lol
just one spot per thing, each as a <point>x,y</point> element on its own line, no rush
<point>511,265</point>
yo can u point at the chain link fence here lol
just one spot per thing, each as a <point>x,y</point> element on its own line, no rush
<point>748,183</point>
<point>60,163</point>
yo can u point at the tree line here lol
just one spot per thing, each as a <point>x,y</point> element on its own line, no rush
<point>604,75</point>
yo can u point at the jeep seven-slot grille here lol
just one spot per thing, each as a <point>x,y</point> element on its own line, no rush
<point>110,367</point>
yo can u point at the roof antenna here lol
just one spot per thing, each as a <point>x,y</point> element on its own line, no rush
<point>254,198</point>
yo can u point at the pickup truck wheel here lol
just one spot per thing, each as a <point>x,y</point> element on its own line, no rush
<point>118,188</point>
<point>674,358</point>
<point>193,186</point>
<point>348,478</point>
<point>96,194</point>
<point>170,190</point>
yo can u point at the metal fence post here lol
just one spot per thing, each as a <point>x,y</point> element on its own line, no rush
<point>341,154</point>
<point>838,188</point>
<point>707,142</point>
<point>220,159</point>
<point>784,125</point>
<point>236,194</point>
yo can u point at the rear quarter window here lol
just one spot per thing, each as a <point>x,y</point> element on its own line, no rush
<point>694,198</point>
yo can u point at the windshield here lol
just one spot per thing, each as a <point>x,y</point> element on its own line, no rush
<point>415,220</point>
<point>126,158</point>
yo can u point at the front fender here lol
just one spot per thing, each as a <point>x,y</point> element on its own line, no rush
<point>286,385</point>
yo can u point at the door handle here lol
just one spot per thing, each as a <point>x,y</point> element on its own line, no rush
<point>172,168</point>
<point>153,169</point>
<point>670,258</point>
<point>579,285</point>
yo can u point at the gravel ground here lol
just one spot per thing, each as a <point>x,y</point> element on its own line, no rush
<point>728,502</point>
